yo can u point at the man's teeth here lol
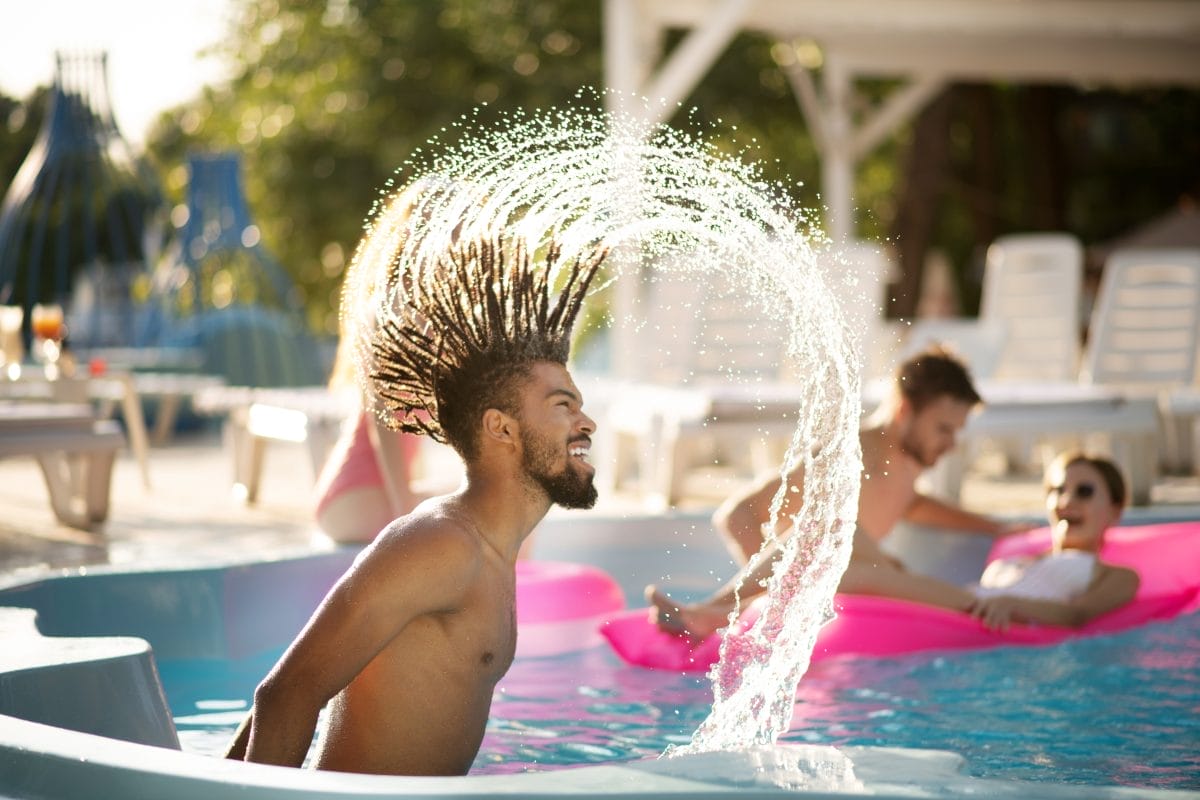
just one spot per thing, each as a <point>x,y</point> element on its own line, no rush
<point>580,452</point>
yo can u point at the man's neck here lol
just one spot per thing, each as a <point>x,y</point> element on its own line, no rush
<point>883,442</point>
<point>504,510</point>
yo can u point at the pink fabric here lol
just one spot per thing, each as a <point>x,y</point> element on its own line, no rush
<point>1166,557</point>
<point>352,463</point>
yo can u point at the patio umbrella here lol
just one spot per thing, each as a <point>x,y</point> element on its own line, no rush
<point>83,218</point>
<point>219,290</point>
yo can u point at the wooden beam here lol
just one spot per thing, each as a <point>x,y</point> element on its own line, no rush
<point>1117,42</point>
<point>692,58</point>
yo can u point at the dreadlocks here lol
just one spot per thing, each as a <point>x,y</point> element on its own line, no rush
<point>468,323</point>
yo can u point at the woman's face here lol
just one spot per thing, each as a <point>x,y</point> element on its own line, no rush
<point>1079,506</point>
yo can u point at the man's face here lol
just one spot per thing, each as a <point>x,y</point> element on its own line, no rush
<point>933,431</point>
<point>556,437</point>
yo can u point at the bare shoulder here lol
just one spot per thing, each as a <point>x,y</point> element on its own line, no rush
<point>432,545</point>
<point>1117,576</point>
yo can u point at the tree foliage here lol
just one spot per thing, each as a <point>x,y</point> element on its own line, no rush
<point>327,100</point>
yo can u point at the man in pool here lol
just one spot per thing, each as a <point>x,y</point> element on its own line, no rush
<point>409,644</point>
<point>916,425</point>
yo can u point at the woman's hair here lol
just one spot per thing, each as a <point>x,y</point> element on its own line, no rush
<point>463,312</point>
<point>1110,473</point>
<point>367,272</point>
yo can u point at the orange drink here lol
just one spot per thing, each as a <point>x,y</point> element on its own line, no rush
<point>46,321</point>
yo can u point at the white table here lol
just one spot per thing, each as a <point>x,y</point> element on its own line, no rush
<point>310,415</point>
<point>113,388</point>
<point>75,451</point>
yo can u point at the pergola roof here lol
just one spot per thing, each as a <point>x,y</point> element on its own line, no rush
<point>1121,42</point>
<point>926,42</point>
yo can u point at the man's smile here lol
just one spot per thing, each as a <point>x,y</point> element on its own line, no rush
<point>581,451</point>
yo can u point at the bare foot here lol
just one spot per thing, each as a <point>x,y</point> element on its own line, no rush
<point>698,620</point>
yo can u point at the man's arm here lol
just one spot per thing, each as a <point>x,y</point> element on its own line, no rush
<point>402,575</point>
<point>1112,588</point>
<point>241,737</point>
<point>926,510</point>
<point>871,572</point>
<point>740,519</point>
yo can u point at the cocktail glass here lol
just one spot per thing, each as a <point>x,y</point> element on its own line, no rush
<point>49,329</point>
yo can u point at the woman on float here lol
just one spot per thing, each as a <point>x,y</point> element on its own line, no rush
<point>1070,585</point>
<point>366,481</point>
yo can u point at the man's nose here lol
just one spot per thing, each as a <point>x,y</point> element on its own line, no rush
<point>587,424</point>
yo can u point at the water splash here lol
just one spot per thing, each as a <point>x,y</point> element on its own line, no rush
<point>668,203</point>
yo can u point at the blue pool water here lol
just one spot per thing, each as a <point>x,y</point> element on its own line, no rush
<point>1121,709</point>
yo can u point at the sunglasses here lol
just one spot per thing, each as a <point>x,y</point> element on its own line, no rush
<point>1083,491</point>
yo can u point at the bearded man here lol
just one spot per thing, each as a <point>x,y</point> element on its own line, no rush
<point>467,343</point>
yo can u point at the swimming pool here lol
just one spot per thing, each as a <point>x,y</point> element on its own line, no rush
<point>1100,712</point>
<point>1107,710</point>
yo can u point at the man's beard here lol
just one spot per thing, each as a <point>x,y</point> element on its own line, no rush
<point>568,488</point>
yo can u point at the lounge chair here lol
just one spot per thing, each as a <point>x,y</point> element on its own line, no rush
<point>716,378</point>
<point>1031,288</point>
<point>310,416</point>
<point>1143,337</point>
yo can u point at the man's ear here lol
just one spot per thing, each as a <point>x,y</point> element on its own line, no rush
<point>904,408</point>
<point>500,427</point>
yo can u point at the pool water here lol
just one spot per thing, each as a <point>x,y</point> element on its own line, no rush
<point>1121,709</point>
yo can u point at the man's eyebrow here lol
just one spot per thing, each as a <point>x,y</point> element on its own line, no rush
<point>565,392</point>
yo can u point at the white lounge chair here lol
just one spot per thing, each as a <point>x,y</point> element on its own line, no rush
<point>1031,288</point>
<point>1032,292</point>
<point>1143,335</point>
<point>311,416</point>
<point>74,450</point>
<point>716,375</point>
<point>1033,285</point>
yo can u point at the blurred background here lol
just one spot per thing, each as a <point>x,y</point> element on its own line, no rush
<point>321,102</point>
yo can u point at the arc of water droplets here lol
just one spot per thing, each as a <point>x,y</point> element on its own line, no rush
<point>664,200</point>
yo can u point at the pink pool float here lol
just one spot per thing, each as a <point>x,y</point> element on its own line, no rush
<point>560,606</point>
<point>1166,557</point>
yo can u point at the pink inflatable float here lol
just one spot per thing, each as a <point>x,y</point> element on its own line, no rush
<point>561,605</point>
<point>1166,557</point>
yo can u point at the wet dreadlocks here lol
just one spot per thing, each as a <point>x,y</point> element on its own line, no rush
<point>465,324</point>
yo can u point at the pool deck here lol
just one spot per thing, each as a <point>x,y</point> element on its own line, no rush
<point>191,517</point>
